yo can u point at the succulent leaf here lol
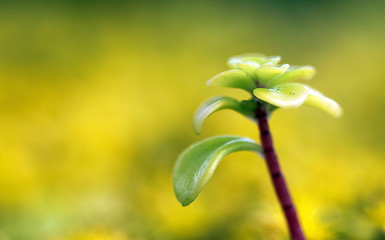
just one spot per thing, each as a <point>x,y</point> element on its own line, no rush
<point>250,69</point>
<point>317,99</point>
<point>253,58</point>
<point>196,164</point>
<point>232,78</point>
<point>293,74</point>
<point>218,103</point>
<point>265,74</point>
<point>271,61</point>
<point>286,95</point>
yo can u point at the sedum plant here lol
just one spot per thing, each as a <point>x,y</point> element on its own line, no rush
<point>271,86</point>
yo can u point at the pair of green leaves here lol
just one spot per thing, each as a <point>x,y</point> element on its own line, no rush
<point>270,84</point>
<point>196,164</point>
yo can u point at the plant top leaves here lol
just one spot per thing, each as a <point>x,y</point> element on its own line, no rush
<point>271,82</point>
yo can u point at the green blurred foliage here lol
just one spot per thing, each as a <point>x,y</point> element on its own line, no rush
<point>96,101</point>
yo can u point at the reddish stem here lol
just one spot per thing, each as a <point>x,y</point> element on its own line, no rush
<point>276,175</point>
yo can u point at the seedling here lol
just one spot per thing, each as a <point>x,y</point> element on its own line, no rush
<point>271,87</point>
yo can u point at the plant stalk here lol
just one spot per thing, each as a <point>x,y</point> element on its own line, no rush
<point>276,175</point>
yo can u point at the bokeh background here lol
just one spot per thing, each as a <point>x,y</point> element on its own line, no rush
<point>96,102</point>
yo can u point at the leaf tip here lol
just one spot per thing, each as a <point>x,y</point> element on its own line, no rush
<point>183,199</point>
<point>197,130</point>
<point>197,123</point>
<point>184,204</point>
<point>309,72</point>
<point>337,112</point>
<point>209,82</point>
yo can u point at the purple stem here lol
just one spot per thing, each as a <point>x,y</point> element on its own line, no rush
<point>276,175</point>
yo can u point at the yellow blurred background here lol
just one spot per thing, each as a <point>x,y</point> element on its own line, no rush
<point>96,102</point>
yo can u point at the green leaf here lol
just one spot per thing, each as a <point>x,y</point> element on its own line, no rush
<point>317,99</point>
<point>250,58</point>
<point>196,164</point>
<point>232,78</point>
<point>271,61</point>
<point>293,74</point>
<point>249,69</point>
<point>287,95</point>
<point>219,103</point>
<point>254,59</point>
<point>266,74</point>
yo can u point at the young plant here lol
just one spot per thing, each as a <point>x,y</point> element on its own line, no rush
<point>271,87</point>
